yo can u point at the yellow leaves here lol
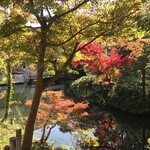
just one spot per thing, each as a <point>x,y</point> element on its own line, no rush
<point>148,140</point>
<point>135,46</point>
<point>111,75</point>
<point>101,78</point>
<point>87,137</point>
<point>79,56</point>
<point>62,116</point>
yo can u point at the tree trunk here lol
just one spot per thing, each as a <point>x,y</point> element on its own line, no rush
<point>143,84</point>
<point>143,138</point>
<point>143,79</point>
<point>40,87</point>
<point>28,135</point>
<point>9,90</point>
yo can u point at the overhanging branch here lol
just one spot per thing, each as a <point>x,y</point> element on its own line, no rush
<point>67,12</point>
<point>20,29</point>
<point>59,73</point>
<point>73,36</point>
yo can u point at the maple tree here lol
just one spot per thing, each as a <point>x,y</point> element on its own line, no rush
<point>107,66</point>
<point>59,27</point>
<point>55,109</point>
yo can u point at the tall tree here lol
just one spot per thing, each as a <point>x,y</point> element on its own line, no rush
<point>59,26</point>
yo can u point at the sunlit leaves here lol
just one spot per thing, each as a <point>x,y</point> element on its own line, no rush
<point>100,62</point>
<point>15,18</point>
<point>85,139</point>
<point>7,130</point>
<point>56,109</point>
<point>3,70</point>
<point>143,19</point>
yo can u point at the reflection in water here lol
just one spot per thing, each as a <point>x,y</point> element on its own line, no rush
<point>114,130</point>
<point>59,138</point>
<point>117,131</point>
<point>22,92</point>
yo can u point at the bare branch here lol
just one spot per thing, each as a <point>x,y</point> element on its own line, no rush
<point>71,55</point>
<point>36,15</point>
<point>52,80</point>
<point>92,40</point>
<point>49,14</point>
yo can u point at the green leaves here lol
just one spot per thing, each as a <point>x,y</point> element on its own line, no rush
<point>13,23</point>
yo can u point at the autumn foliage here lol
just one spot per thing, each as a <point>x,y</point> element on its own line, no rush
<point>108,133</point>
<point>105,64</point>
<point>55,109</point>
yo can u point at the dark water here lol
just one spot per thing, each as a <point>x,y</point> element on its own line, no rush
<point>119,131</point>
<point>114,130</point>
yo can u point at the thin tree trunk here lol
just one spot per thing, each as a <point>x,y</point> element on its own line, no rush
<point>143,137</point>
<point>28,135</point>
<point>9,90</point>
<point>143,84</point>
<point>49,132</point>
<point>143,79</point>
<point>43,133</point>
<point>45,136</point>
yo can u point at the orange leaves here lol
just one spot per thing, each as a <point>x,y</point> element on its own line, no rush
<point>105,83</point>
<point>28,102</point>
<point>136,48</point>
<point>54,108</point>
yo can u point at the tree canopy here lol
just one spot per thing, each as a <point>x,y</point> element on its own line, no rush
<point>50,31</point>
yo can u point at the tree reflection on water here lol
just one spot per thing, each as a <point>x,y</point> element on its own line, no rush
<point>114,130</point>
<point>119,131</point>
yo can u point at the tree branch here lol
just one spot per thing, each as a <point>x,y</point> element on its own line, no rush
<point>67,12</point>
<point>20,29</point>
<point>71,55</point>
<point>31,3</point>
<point>73,36</point>
<point>48,134</point>
<point>36,15</point>
<point>60,72</point>
<point>52,80</point>
<point>48,12</point>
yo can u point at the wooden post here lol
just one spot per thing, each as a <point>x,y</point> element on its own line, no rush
<point>12,143</point>
<point>18,139</point>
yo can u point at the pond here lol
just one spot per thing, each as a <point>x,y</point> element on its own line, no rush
<point>114,130</point>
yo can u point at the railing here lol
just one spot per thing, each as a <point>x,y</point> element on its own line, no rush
<point>14,142</point>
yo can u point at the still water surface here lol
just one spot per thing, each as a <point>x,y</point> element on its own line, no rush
<point>114,130</point>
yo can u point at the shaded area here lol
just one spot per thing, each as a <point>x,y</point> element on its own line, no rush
<point>116,130</point>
